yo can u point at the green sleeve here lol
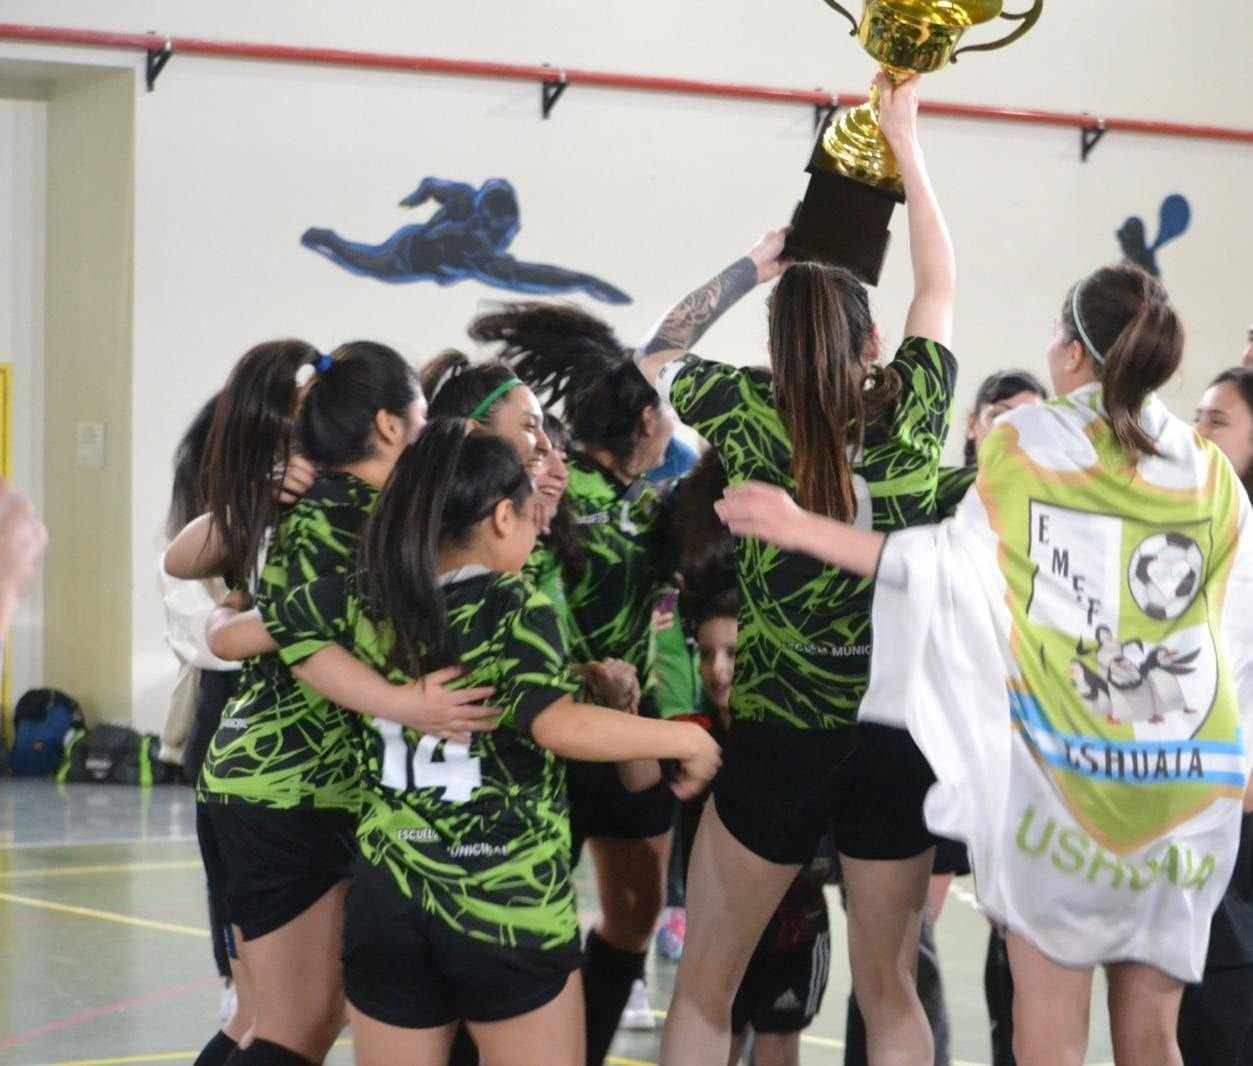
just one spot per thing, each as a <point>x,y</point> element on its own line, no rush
<point>678,689</point>
<point>928,373</point>
<point>532,664</point>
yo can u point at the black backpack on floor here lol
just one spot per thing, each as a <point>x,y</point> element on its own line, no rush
<point>116,755</point>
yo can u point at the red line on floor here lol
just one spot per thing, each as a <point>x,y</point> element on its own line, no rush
<point>82,1017</point>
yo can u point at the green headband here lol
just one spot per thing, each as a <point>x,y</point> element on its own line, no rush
<point>485,404</point>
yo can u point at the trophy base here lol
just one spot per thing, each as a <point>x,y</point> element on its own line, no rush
<point>843,222</point>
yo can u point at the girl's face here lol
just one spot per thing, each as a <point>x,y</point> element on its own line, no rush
<point>982,421</point>
<point>1223,417</point>
<point>716,640</point>
<point>392,436</point>
<point>519,420</point>
<point>551,484</point>
<point>656,429</point>
<point>1070,367</point>
<point>514,531</point>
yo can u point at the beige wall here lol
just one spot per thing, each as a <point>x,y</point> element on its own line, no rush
<point>23,188</point>
<point>88,337</point>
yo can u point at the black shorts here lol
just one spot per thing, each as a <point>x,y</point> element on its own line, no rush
<point>278,863</point>
<point>601,806</point>
<point>408,968</point>
<point>220,930</point>
<point>782,990</point>
<point>951,858</point>
<point>780,789</point>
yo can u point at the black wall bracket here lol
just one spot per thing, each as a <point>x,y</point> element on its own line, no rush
<point>157,59</point>
<point>551,92</point>
<point>1089,138</point>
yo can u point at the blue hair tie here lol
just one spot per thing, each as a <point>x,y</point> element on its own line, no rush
<point>323,364</point>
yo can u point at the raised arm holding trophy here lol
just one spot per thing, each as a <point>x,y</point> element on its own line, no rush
<point>855,182</point>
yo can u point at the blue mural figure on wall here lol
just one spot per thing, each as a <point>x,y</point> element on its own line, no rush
<point>1173,221</point>
<point>465,239</point>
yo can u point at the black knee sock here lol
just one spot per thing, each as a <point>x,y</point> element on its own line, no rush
<point>464,1051</point>
<point>263,1053</point>
<point>608,974</point>
<point>216,1051</point>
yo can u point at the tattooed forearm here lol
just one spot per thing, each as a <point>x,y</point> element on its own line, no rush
<point>686,322</point>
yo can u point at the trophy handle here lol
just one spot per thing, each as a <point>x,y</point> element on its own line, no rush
<point>1027,18</point>
<point>848,14</point>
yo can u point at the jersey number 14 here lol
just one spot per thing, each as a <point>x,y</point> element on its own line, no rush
<point>457,774</point>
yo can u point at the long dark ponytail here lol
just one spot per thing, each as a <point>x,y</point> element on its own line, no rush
<point>439,490</point>
<point>248,450</point>
<point>820,323</point>
<point>187,496</point>
<point>352,385</point>
<point>706,550</point>
<point>1123,318</point>
<point>566,355</point>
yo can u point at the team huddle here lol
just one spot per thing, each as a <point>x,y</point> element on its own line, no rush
<point>486,626</point>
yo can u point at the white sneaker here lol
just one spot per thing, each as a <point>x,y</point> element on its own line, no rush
<point>638,1015</point>
<point>229,1002</point>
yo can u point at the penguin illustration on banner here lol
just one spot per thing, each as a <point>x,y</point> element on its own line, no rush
<point>1173,220</point>
<point>465,239</point>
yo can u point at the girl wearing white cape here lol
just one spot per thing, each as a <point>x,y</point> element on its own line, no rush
<point>1072,652</point>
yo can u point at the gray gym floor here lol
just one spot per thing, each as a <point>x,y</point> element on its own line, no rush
<point>105,959</point>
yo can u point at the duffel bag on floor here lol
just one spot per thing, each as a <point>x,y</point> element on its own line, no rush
<point>114,754</point>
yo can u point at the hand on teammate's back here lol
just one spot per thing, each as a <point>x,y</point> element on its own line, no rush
<point>22,542</point>
<point>765,512</point>
<point>613,683</point>
<point>430,706</point>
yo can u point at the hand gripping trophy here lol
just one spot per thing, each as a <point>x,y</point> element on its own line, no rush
<point>855,183</point>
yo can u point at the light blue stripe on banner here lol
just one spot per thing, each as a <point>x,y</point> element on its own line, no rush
<point>1061,762</point>
<point>1027,710</point>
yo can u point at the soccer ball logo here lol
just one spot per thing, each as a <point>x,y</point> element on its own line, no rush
<point>1165,575</point>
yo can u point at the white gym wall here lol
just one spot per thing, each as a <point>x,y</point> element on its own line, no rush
<point>23,177</point>
<point>234,160</point>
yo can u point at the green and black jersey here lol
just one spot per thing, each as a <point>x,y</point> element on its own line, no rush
<point>477,834</point>
<point>612,604</point>
<point>804,628</point>
<point>543,571</point>
<point>954,483</point>
<point>280,744</point>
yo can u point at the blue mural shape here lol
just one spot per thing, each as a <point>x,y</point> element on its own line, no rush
<point>464,240</point>
<point>1173,221</point>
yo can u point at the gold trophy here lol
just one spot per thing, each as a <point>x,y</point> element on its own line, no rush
<point>855,183</point>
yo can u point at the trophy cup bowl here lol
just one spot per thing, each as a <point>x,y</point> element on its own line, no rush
<point>856,182</point>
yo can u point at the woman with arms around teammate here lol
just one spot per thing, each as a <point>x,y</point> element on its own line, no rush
<point>860,443</point>
<point>1074,653</point>
<point>279,784</point>
<point>620,431</point>
<point>462,906</point>
<point>1215,1025</point>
